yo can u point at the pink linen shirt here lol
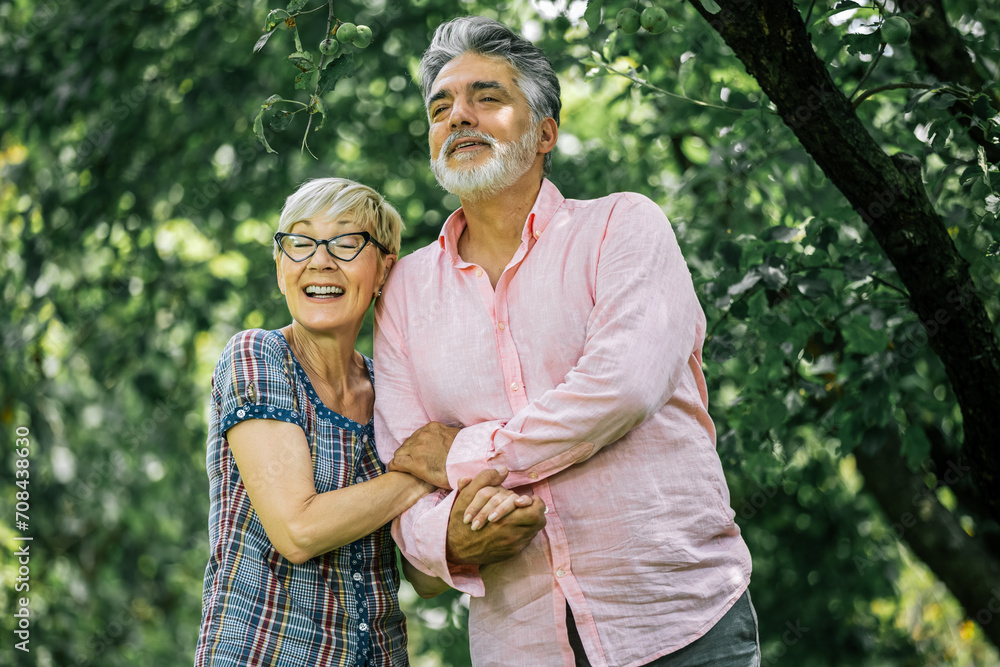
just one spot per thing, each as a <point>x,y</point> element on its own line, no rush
<point>581,373</point>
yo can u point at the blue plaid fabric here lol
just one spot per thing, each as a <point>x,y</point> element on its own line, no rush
<point>258,608</point>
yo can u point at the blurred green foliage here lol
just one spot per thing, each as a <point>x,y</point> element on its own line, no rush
<point>137,209</point>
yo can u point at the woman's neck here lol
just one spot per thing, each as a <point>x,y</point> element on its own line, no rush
<point>327,360</point>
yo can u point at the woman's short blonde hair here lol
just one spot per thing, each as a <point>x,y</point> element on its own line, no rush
<point>335,197</point>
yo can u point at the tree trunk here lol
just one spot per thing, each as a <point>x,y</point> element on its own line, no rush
<point>771,40</point>
<point>913,511</point>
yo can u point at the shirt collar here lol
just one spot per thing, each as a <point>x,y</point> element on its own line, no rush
<point>547,202</point>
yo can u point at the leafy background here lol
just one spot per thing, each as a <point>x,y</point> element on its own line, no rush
<point>136,208</point>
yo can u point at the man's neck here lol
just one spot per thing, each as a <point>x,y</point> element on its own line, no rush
<point>494,225</point>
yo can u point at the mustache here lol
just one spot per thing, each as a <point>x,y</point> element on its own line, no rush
<point>465,134</point>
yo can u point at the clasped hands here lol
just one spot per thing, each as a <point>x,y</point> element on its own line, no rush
<point>488,523</point>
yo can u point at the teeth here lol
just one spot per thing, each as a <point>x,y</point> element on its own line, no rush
<point>323,289</point>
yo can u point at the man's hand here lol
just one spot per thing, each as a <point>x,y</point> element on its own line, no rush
<point>497,540</point>
<point>425,453</point>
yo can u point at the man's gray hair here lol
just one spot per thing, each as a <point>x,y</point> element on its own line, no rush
<point>534,75</point>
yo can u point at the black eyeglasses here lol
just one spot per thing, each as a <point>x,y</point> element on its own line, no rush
<point>345,247</point>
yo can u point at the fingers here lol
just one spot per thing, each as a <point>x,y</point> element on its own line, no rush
<point>485,501</point>
<point>505,507</point>
<point>492,504</point>
<point>531,515</point>
<point>485,477</point>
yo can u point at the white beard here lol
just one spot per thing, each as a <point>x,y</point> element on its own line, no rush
<point>509,161</point>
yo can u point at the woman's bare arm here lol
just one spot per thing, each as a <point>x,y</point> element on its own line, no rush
<point>426,586</point>
<point>274,462</point>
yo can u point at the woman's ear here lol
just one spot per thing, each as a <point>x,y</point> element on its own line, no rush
<point>281,278</point>
<point>386,265</point>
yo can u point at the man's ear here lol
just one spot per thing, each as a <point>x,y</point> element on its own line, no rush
<point>548,133</point>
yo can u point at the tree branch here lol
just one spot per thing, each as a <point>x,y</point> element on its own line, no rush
<point>771,40</point>
<point>889,86</point>
<point>938,49</point>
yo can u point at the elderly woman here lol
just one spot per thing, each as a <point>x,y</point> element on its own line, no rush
<point>302,568</point>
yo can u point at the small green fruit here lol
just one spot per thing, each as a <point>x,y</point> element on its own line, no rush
<point>363,38</point>
<point>346,32</point>
<point>896,31</point>
<point>654,20</point>
<point>328,47</point>
<point>628,21</point>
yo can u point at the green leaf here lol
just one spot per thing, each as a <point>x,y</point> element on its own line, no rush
<point>307,80</point>
<point>862,338</point>
<point>774,277</point>
<point>841,7</point>
<point>748,281</point>
<point>915,446</point>
<point>730,253</point>
<point>274,17</point>
<point>711,6</point>
<point>593,14</point>
<point>269,102</point>
<point>857,269</point>
<point>341,67</point>
<point>983,164</point>
<point>982,108</point>
<point>813,288</point>
<point>993,204</point>
<point>858,44</point>
<point>969,174</point>
<point>316,106</point>
<point>280,120</point>
<point>942,101</point>
<point>739,310</point>
<point>782,234</point>
<point>295,6</point>
<point>301,57</point>
<point>262,41</point>
<point>307,77</point>
<point>609,46</point>
<point>258,129</point>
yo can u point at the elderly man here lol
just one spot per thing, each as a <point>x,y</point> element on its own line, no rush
<point>559,340</point>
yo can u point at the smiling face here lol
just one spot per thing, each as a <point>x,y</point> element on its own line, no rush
<point>482,138</point>
<point>327,296</point>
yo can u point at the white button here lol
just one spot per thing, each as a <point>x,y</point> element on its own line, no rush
<point>514,386</point>
<point>500,326</point>
<point>538,233</point>
<point>533,475</point>
<point>479,273</point>
<point>364,438</point>
<point>560,573</point>
<point>363,627</point>
<point>357,576</point>
<point>546,511</point>
<point>359,479</point>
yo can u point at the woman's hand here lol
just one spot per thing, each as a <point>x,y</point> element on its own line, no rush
<point>491,503</point>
